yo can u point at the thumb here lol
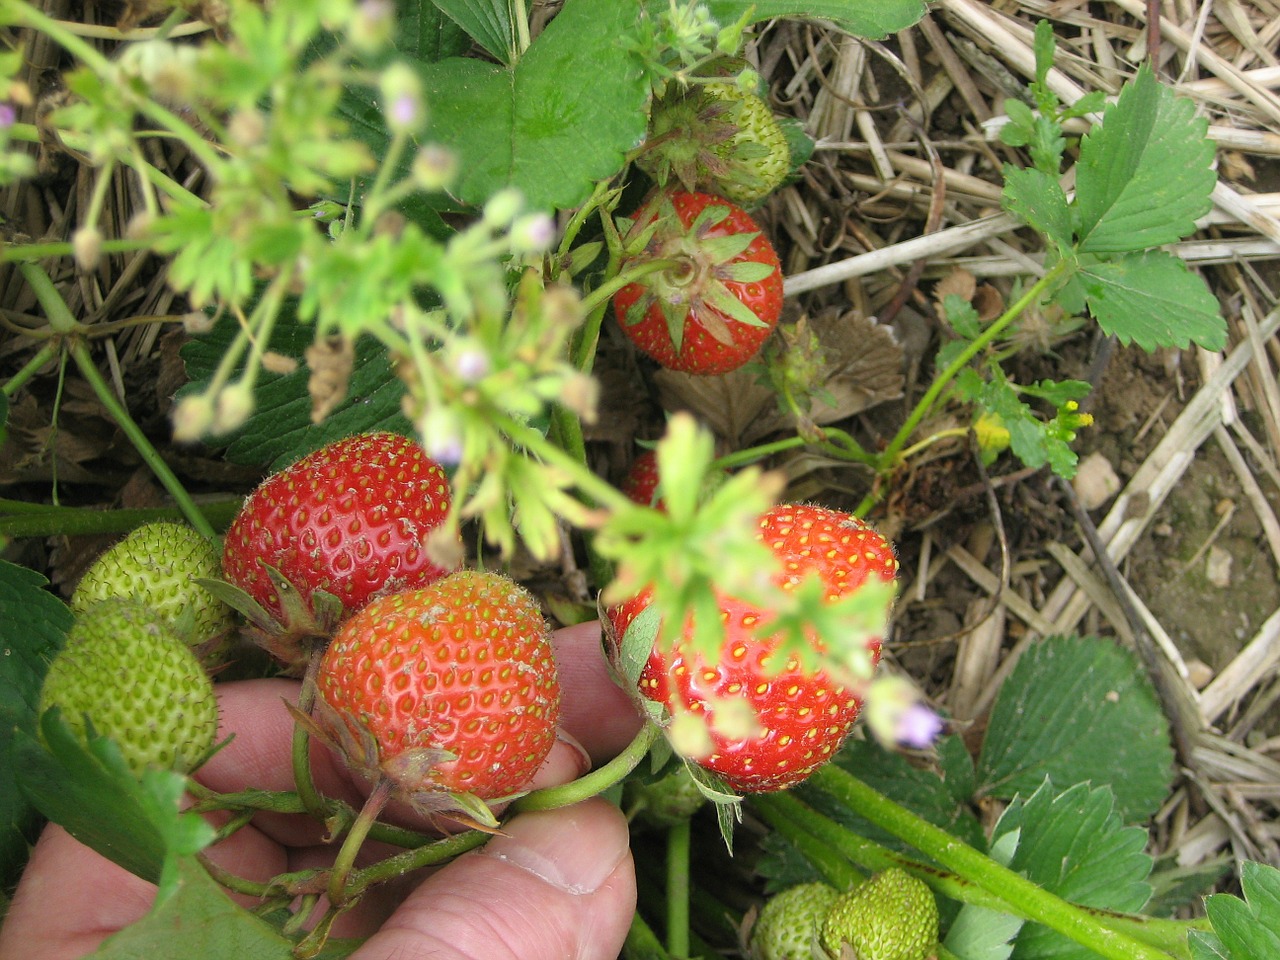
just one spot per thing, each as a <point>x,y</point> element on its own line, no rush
<point>556,883</point>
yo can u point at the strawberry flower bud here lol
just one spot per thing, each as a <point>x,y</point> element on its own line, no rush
<point>405,110</point>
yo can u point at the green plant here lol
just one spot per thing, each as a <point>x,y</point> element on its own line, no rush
<point>716,137</point>
<point>124,673</point>
<point>789,922</point>
<point>158,565</point>
<point>892,916</point>
<point>376,250</point>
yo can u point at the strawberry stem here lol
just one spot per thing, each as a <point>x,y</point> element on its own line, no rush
<point>21,519</point>
<point>340,893</point>
<point>550,798</point>
<point>427,855</point>
<point>679,842</point>
<point>635,271</point>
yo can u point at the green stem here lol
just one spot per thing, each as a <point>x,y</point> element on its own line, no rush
<point>43,251</point>
<point>793,820</point>
<point>29,369</point>
<point>149,454</point>
<point>1026,898</point>
<point>427,855</point>
<point>339,887</point>
<point>922,409</point>
<point>45,520</point>
<point>679,842</point>
<point>601,294</point>
<point>29,133</point>
<point>300,753</point>
<point>595,782</point>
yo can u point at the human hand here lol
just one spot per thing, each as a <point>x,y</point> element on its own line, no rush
<point>556,883</point>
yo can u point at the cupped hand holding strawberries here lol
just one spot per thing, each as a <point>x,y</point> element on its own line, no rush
<point>556,883</point>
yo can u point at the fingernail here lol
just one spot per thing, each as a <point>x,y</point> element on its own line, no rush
<point>561,848</point>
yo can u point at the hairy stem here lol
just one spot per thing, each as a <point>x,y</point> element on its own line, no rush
<point>598,780</point>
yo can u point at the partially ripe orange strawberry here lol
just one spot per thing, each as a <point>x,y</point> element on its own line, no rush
<point>801,717</point>
<point>447,690</point>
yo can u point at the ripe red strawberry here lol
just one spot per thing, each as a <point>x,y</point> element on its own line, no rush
<point>641,482</point>
<point>447,690</point>
<point>351,519</point>
<point>709,312</point>
<point>802,717</point>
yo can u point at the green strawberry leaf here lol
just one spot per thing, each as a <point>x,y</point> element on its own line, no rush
<point>199,914</point>
<point>1037,199</point>
<point>574,104</point>
<point>1247,929</point>
<point>1155,300</point>
<point>1146,174</point>
<point>33,626</point>
<point>874,19</point>
<point>280,429</point>
<point>1074,844</point>
<point>88,789</point>
<point>487,22</point>
<point>1079,709</point>
<point>980,933</point>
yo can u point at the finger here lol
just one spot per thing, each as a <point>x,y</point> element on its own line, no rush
<point>593,709</point>
<point>69,900</point>
<point>557,883</point>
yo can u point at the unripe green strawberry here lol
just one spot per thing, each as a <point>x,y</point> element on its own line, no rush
<point>789,922</point>
<point>666,802</point>
<point>717,138</point>
<point>892,916</point>
<point>158,565</point>
<point>138,683</point>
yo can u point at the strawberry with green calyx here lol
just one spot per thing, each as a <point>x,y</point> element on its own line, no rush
<point>789,922</point>
<point>716,136</point>
<point>710,310</point>
<point>125,671</point>
<point>892,916</point>
<point>159,565</point>
<point>346,524</point>
<point>449,693</point>
<point>760,717</point>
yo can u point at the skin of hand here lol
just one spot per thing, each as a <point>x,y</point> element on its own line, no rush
<point>556,883</point>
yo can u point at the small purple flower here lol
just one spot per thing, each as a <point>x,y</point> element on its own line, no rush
<point>404,111</point>
<point>8,116</point>
<point>917,727</point>
<point>472,364</point>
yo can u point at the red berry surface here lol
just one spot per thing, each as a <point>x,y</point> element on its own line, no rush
<point>641,482</point>
<point>351,519</point>
<point>802,717</point>
<point>711,311</point>
<point>450,688</point>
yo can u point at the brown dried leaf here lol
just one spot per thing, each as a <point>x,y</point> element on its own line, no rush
<point>959,282</point>
<point>864,367</point>
<point>988,302</point>
<point>331,362</point>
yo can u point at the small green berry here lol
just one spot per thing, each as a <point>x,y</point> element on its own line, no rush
<point>789,922</point>
<point>157,565</point>
<point>666,802</point>
<point>126,670</point>
<point>892,916</point>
